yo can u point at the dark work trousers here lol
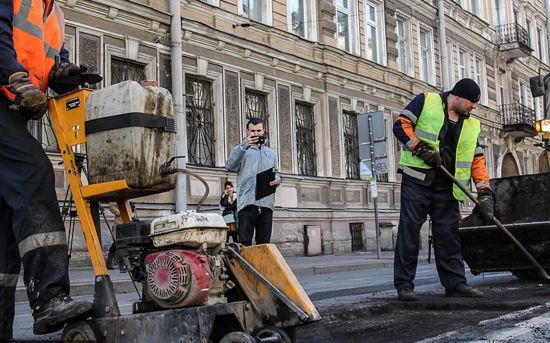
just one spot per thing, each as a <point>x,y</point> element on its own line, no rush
<point>31,228</point>
<point>252,217</point>
<point>234,235</point>
<point>417,202</point>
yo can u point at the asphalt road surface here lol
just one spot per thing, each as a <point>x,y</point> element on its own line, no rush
<point>361,306</point>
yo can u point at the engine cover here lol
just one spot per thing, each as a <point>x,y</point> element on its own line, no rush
<point>177,278</point>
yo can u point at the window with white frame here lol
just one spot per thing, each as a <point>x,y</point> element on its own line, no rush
<point>541,45</point>
<point>404,44</point>
<point>479,77</point>
<point>212,2</point>
<point>538,108</point>
<point>425,54</point>
<point>305,139</point>
<point>346,18</point>
<point>374,27</point>
<point>529,28</point>
<point>451,63</point>
<point>463,67</point>
<point>200,121</point>
<point>301,14</point>
<point>523,98</point>
<point>351,144</point>
<point>257,10</point>
<point>256,106</point>
<point>124,70</point>
<point>475,7</point>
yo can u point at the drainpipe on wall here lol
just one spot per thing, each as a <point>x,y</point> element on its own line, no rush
<point>179,104</point>
<point>443,46</point>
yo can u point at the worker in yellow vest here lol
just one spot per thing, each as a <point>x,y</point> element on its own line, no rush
<point>31,229</point>
<point>438,130</point>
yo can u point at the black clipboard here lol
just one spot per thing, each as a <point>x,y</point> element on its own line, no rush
<point>263,179</point>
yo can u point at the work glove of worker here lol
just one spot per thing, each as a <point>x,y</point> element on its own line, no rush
<point>428,154</point>
<point>30,101</point>
<point>63,77</point>
<point>486,203</point>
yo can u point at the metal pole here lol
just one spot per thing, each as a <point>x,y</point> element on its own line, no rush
<point>179,104</point>
<point>443,46</point>
<point>374,199</point>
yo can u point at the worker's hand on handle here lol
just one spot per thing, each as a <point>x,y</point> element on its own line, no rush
<point>31,102</point>
<point>486,203</point>
<point>59,75</point>
<point>428,154</point>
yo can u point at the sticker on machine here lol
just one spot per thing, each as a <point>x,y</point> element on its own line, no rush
<point>73,103</point>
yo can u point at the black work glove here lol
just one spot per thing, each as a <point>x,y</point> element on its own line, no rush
<point>30,101</point>
<point>428,154</point>
<point>486,203</point>
<point>63,78</point>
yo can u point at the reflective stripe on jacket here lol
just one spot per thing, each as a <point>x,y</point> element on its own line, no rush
<point>38,32</point>
<point>427,129</point>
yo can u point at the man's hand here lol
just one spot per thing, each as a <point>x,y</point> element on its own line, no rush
<point>252,140</point>
<point>59,75</point>
<point>29,100</point>
<point>275,183</point>
<point>64,70</point>
<point>430,156</point>
<point>486,203</point>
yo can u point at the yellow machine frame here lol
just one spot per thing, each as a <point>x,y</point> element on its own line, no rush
<point>68,114</point>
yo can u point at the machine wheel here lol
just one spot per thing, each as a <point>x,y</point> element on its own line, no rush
<point>238,337</point>
<point>271,331</point>
<point>81,331</point>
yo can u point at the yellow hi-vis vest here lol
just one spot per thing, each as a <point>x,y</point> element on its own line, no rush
<point>427,129</point>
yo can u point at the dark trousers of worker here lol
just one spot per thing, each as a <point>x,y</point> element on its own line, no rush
<point>417,201</point>
<point>253,217</point>
<point>31,228</point>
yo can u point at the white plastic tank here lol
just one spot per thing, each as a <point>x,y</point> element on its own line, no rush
<point>123,144</point>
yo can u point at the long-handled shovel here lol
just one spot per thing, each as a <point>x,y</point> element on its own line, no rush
<point>542,273</point>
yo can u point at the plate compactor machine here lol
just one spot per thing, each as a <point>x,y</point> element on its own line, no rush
<point>195,288</point>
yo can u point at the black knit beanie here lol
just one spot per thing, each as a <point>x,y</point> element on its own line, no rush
<point>467,89</point>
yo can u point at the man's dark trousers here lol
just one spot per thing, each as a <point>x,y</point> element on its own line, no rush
<point>417,201</point>
<point>30,222</point>
<point>252,217</point>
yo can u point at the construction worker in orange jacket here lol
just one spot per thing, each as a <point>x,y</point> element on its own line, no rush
<point>438,130</point>
<point>31,228</point>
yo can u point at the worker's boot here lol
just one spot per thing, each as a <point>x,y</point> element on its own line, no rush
<point>58,311</point>
<point>463,290</point>
<point>406,294</point>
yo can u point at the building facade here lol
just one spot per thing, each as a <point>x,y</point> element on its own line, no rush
<point>309,67</point>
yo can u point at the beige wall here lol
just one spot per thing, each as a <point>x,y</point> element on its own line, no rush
<point>270,59</point>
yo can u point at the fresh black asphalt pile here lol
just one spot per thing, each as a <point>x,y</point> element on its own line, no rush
<point>380,317</point>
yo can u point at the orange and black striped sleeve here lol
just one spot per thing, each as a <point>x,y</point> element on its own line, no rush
<point>403,127</point>
<point>479,169</point>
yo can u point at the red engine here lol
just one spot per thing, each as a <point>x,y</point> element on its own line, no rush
<point>177,278</point>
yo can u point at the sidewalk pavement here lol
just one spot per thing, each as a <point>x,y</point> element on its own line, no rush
<point>82,278</point>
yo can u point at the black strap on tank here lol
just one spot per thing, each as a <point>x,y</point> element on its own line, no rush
<point>139,119</point>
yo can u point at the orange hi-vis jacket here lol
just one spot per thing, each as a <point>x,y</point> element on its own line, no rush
<point>38,31</point>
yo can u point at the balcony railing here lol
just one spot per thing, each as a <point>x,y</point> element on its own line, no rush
<point>510,33</point>
<point>514,40</point>
<point>518,120</point>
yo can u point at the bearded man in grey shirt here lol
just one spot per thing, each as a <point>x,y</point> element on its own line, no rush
<point>248,159</point>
